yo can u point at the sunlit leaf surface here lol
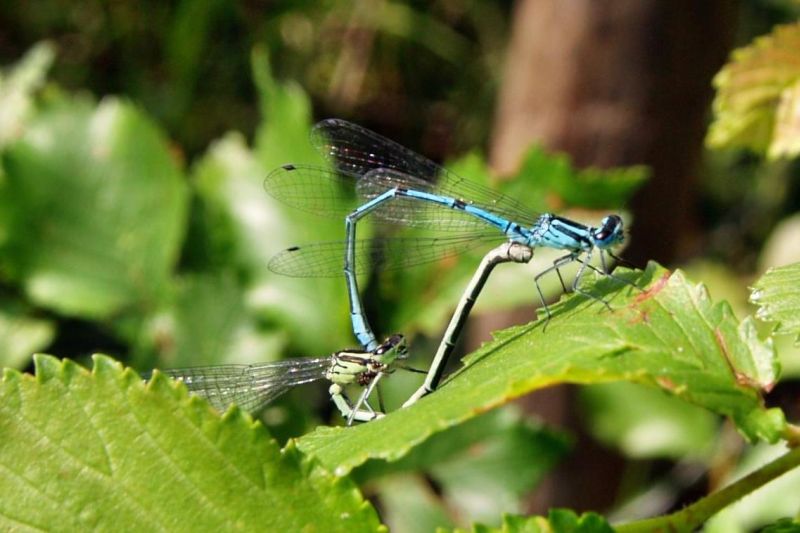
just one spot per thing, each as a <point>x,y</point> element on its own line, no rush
<point>95,451</point>
<point>671,336</point>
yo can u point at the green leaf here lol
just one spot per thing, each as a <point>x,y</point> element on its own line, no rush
<point>476,437</point>
<point>283,135</point>
<point>778,298</point>
<point>498,474</point>
<point>646,423</point>
<point>241,227</point>
<point>671,337</point>
<point>547,181</point>
<point>21,335</point>
<point>757,96</point>
<point>98,207</point>
<point>99,451</point>
<point>17,87</point>
<point>408,503</point>
<point>481,468</point>
<point>551,180</point>
<point>784,525</point>
<point>224,228</point>
<point>557,521</point>
<point>209,324</point>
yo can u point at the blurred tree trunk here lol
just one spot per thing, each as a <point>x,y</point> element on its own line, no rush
<point>612,83</point>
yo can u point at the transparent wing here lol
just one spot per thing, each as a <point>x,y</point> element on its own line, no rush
<point>355,150</point>
<point>251,387</point>
<point>414,212</point>
<point>316,190</point>
<point>326,259</point>
<point>327,192</point>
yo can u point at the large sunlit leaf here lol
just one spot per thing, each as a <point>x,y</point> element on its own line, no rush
<point>97,209</point>
<point>85,451</point>
<point>778,298</point>
<point>757,104</point>
<point>671,337</point>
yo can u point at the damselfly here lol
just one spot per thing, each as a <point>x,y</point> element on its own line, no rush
<point>400,186</point>
<point>252,387</point>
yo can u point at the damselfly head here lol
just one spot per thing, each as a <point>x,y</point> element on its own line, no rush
<point>610,232</point>
<point>395,347</point>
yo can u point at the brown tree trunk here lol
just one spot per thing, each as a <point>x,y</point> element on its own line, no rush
<point>612,83</point>
<point>617,82</point>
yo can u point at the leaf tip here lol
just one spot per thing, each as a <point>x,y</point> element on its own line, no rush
<point>160,383</point>
<point>47,367</point>
<point>11,375</point>
<point>764,424</point>
<point>232,413</point>
<point>104,364</point>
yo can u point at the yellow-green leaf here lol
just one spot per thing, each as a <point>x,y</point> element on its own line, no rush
<point>786,141</point>
<point>756,105</point>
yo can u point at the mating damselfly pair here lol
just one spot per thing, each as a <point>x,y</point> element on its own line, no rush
<point>252,387</point>
<point>400,187</point>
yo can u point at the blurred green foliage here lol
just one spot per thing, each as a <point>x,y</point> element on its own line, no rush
<point>771,503</point>
<point>556,521</point>
<point>103,223</point>
<point>138,226</point>
<point>186,61</point>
